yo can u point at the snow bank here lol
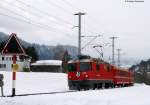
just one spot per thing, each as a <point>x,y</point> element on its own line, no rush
<point>28,83</point>
<point>46,82</point>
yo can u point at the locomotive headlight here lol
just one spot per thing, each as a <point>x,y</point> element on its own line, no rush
<point>86,76</point>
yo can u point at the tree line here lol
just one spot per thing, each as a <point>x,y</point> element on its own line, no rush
<point>142,72</point>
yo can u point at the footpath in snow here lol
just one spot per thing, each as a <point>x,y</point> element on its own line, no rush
<point>28,83</point>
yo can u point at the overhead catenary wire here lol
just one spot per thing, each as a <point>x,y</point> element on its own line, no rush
<point>101,50</point>
<point>88,43</point>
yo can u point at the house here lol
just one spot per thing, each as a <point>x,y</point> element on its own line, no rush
<point>13,47</point>
<point>6,63</point>
<point>47,66</point>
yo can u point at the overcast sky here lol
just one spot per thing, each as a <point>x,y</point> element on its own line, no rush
<point>51,22</point>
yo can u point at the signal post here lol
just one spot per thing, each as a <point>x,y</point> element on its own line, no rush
<point>14,76</point>
<point>13,47</point>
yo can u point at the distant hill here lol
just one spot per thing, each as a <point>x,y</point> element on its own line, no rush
<point>45,52</point>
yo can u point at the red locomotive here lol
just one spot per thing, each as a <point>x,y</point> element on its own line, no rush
<point>92,73</point>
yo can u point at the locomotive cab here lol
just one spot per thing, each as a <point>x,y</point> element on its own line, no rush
<point>83,73</point>
<point>79,72</point>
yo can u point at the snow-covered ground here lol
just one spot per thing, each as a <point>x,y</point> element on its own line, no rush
<point>49,82</point>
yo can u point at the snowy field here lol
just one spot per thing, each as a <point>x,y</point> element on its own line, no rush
<point>30,83</point>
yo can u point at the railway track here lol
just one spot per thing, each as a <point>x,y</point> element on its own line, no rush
<point>69,91</point>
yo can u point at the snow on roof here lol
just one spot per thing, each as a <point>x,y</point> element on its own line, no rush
<point>48,62</point>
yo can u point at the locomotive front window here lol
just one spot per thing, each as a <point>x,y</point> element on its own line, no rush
<point>72,67</point>
<point>85,66</point>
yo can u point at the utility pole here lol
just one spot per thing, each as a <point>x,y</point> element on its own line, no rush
<point>118,50</point>
<point>79,33</point>
<point>113,47</point>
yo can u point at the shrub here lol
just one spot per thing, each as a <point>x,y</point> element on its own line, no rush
<point>26,69</point>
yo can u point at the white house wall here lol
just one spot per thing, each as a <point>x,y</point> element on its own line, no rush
<point>8,62</point>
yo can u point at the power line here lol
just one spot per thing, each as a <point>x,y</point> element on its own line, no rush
<point>36,15</point>
<point>39,25</point>
<point>29,21</point>
<point>72,6</point>
<point>43,12</point>
<point>17,6</point>
<point>61,8</point>
<point>75,7</point>
<point>13,12</point>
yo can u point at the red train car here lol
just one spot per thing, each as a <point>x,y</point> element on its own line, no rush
<point>93,73</point>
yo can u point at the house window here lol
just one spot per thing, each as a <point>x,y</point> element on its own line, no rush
<point>2,65</point>
<point>3,58</point>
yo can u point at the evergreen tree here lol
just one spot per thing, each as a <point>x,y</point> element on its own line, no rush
<point>2,44</point>
<point>31,51</point>
<point>65,59</point>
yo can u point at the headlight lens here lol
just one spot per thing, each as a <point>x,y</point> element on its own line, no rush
<point>86,76</point>
<point>69,77</point>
